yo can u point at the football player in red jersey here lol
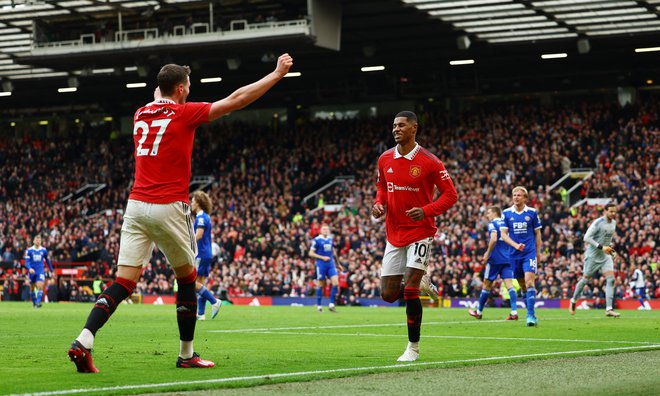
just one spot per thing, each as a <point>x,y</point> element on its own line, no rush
<point>407,177</point>
<point>157,211</point>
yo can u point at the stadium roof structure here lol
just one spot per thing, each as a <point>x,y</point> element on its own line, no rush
<point>389,49</point>
<point>508,21</point>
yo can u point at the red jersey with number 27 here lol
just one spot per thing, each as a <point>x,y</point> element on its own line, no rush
<point>406,182</point>
<point>163,133</point>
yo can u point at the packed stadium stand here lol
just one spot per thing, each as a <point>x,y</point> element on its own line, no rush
<point>263,228</point>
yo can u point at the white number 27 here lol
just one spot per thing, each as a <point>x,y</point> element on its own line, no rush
<point>144,128</point>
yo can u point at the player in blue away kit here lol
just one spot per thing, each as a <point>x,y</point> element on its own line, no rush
<point>201,205</point>
<point>34,262</point>
<point>323,251</point>
<point>524,227</point>
<point>638,284</point>
<point>498,261</point>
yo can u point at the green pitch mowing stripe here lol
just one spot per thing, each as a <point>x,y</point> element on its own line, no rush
<point>136,351</point>
<point>115,389</point>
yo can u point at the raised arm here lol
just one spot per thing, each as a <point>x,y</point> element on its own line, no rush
<point>249,93</point>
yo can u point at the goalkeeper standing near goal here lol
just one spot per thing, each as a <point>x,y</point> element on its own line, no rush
<point>598,257</point>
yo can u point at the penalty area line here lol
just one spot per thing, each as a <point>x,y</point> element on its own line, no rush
<point>341,370</point>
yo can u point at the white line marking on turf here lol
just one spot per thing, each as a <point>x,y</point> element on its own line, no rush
<point>368,368</point>
<point>452,337</point>
<point>398,324</point>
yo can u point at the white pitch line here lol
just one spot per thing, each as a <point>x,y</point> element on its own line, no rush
<point>453,337</point>
<point>303,373</point>
<point>398,324</point>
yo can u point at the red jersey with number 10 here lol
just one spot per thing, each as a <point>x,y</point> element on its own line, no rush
<point>163,133</point>
<point>406,182</point>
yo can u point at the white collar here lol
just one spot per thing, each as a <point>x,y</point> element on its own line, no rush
<point>408,156</point>
<point>513,208</point>
<point>199,212</point>
<point>163,101</point>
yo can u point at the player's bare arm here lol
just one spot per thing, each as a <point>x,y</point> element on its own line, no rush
<point>199,234</point>
<point>537,235</point>
<point>249,93</point>
<point>491,245</point>
<point>313,254</point>
<point>507,239</point>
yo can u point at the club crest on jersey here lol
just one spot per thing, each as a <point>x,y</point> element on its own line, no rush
<point>415,170</point>
<point>527,218</point>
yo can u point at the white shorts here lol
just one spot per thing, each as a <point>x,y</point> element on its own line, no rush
<point>397,259</point>
<point>591,266</point>
<point>168,226</point>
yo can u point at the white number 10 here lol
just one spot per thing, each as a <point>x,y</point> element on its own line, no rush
<point>144,127</point>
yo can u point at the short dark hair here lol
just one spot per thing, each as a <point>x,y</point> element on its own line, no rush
<point>496,209</point>
<point>610,205</point>
<point>170,76</point>
<point>408,114</point>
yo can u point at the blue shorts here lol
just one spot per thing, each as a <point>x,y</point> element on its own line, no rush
<point>325,270</point>
<point>203,266</point>
<point>641,292</point>
<point>37,277</point>
<point>503,270</point>
<point>524,264</point>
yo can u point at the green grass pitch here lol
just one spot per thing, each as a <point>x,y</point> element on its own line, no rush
<point>136,351</point>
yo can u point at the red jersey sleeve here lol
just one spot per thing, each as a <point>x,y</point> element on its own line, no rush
<point>448,195</point>
<point>197,113</point>
<point>381,194</point>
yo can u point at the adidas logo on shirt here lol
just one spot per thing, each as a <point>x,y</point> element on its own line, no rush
<point>390,170</point>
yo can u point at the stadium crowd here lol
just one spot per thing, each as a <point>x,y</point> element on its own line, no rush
<point>262,229</point>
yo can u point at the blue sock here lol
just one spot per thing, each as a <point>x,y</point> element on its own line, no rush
<point>333,294</point>
<point>201,304</point>
<point>319,295</point>
<point>513,299</point>
<point>40,294</point>
<point>34,296</point>
<point>531,301</point>
<point>641,301</point>
<point>204,292</point>
<point>482,299</point>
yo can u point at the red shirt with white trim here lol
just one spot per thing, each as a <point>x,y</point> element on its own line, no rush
<point>163,133</point>
<point>406,182</point>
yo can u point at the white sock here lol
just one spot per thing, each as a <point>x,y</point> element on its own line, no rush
<point>514,312</point>
<point>86,338</point>
<point>413,346</point>
<point>608,308</point>
<point>186,349</point>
